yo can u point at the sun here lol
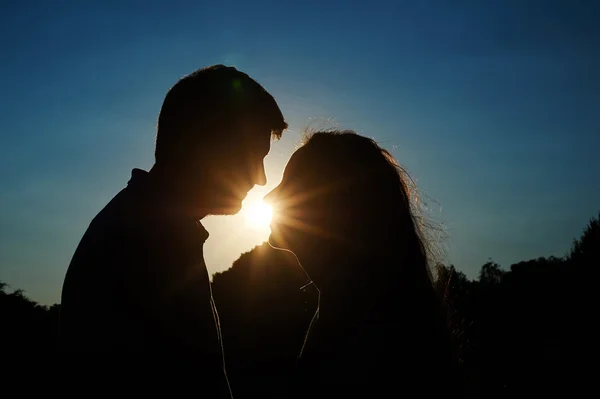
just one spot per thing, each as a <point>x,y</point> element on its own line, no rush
<point>258,214</point>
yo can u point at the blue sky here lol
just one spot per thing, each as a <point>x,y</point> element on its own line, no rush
<point>492,106</point>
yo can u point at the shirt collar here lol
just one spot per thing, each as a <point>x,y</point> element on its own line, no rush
<point>139,176</point>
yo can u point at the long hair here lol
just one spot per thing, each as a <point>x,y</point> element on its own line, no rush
<point>379,220</point>
<point>373,195</point>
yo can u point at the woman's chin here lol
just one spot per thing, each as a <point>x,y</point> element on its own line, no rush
<point>273,241</point>
<point>276,240</point>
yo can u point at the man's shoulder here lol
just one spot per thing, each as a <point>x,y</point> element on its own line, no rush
<point>125,207</point>
<point>104,229</point>
<point>137,225</point>
<point>119,212</point>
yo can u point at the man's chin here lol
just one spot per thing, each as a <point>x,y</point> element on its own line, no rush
<point>226,210</point>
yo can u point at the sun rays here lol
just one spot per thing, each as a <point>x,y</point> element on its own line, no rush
<point>258,215</point>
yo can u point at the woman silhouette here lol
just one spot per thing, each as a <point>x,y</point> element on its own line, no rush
<point>345,209</point>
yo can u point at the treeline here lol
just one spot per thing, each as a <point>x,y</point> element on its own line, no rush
<point>528,329</point>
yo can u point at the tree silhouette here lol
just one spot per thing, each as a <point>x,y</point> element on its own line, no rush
<point>582,287</point>
<point>27,327</point>
<point>490,273</point>
<point>585,251</point>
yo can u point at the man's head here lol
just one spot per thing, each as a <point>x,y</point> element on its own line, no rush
<point>214,130</point>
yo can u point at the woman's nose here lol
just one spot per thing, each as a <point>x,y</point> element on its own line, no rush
<point>271,197</point>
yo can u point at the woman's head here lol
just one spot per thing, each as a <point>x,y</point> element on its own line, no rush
<point>342,194</point>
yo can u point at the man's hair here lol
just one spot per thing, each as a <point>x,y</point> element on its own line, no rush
<point>216,103</point>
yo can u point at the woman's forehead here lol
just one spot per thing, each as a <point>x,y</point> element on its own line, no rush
<point>299,161</point>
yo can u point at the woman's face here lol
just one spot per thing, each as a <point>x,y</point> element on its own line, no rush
<point>302,206</point>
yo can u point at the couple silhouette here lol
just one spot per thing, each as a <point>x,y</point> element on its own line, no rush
<point>137,292</point>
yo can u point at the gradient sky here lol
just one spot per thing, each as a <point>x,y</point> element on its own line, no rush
<point>492,106</point>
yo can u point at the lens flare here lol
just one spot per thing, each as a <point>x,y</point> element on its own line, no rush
<point>258,215</point>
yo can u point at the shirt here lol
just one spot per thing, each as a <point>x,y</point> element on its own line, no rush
<point>137,292</point>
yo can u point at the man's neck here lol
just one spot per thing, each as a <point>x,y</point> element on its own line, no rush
<point>174,192</point>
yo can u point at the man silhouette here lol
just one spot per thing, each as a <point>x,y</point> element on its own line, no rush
<point>137,282</point>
